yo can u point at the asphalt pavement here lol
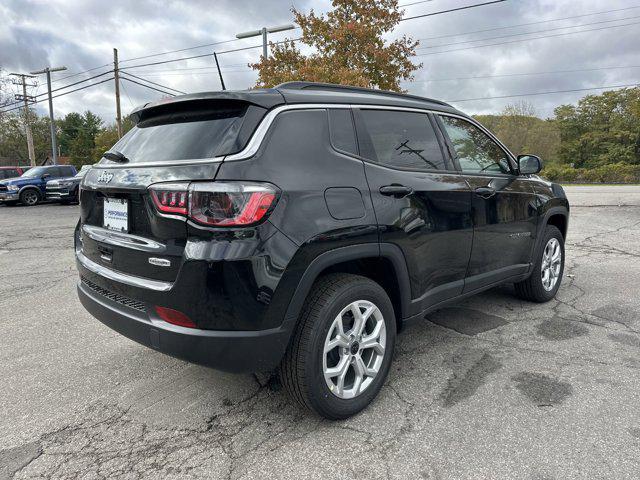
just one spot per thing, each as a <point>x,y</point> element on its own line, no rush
<point>493,388</point>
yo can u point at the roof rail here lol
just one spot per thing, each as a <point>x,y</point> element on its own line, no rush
<point>350,88</point>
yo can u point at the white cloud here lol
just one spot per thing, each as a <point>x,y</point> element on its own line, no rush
<point>81,35</point>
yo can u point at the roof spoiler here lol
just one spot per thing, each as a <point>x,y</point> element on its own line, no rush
<point>265,98</point>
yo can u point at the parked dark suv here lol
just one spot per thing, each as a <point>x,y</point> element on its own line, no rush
<point>299,227</point>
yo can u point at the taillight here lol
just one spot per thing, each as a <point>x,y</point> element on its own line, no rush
<point>216,204</point>
<point>171,197</point>
<point>175,317</point>
<point>230,204</point>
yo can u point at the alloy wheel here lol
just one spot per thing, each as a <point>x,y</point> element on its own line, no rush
<point>30,197</point>
<point>551,264</point>
<point>354,349</point>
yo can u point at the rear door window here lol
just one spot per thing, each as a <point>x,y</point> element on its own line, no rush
<point>343,136</point>
<point>404,140</point>
<point>180,136</point>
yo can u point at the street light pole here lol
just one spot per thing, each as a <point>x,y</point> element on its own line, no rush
<point>54,146</point>
<point>263,31</point>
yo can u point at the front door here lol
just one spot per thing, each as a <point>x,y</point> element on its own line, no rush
<point>422,205</point>
<point>503,205</point>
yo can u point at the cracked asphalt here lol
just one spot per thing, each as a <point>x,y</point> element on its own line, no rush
<point>491,388</point>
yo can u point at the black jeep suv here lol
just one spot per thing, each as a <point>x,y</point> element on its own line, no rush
<point>299,227</point>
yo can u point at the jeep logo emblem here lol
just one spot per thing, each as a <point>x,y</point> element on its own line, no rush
<point>105,177</point>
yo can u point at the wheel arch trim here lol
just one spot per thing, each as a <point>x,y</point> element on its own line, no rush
<point>545,221</point>
<point>31,187</point>
<point>335,256</point>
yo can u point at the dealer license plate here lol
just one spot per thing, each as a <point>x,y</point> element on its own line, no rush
<point>116,214</point>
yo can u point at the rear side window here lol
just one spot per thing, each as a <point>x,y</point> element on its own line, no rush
<point>404,140</point>
<point>180,136</point>
<point>343,136</point>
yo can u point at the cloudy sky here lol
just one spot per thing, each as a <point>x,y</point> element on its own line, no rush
<point>585,44</point>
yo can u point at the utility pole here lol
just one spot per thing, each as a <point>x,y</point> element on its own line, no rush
<point>54,146</point>
<point>27,124</point>
<point>263,31</point>
<point>116,76</point>
<point>219,71</point>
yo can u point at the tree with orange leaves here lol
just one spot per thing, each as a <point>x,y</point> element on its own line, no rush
<point>347,47</point>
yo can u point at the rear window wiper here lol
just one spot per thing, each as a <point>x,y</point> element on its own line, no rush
<point>115,156</point>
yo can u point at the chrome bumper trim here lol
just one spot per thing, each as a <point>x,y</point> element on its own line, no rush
<point>122,277</point>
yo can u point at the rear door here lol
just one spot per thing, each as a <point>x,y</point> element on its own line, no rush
<point>504,205</point>
<point>421,205</point>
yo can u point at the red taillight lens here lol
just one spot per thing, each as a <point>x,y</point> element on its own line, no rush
<point>175,317</point>
<point>216,204</point>
<point>230,204</point>
<point>171,197</point>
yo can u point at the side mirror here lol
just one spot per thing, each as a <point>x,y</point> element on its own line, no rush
<point>529,164</point>
<point>45,176</point>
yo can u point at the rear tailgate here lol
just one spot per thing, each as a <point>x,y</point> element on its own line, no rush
<point>148,234</point>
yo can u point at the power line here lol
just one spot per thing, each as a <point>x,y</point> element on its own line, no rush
<point>195,47</point>
<point>67,93</point>
<point>413,3</point>
<point>128,97</point>
<point>606,87</point>
<point>147,86</point>
<point>466,7</point>
<point>80,73</point>
<point>520,74</point>
<point>531,33</point>
<point>162,62</point>
<point>525,39</point>
<point>82,88</point>
<point>182,74</point>
<point>69,85</point>
<point>530,23</point>
<point>154,83</point>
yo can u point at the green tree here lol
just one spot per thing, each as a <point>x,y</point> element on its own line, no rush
<point>601,130</point>
<point>13,138</point>
<point>108,137</point>
<point>77,134</point>
<point>348,48</point>
<point>519,128</point>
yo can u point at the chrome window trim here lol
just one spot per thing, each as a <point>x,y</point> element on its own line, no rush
<point>131,280</point>
<point>260,133</point>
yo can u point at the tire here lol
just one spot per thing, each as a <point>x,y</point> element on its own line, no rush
<point>30,197</point>
<point>536,288</point>
<point>302,371</point>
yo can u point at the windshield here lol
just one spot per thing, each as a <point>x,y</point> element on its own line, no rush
<point>34,172</point>
<point>179,136</point>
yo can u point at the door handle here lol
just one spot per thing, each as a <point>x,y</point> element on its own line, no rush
<point>398,191</point>
<point>485,192</point>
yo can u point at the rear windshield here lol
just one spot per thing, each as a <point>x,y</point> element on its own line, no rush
<point>180,136</point>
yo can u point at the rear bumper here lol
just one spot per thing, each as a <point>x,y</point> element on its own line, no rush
<point>231,351</point>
